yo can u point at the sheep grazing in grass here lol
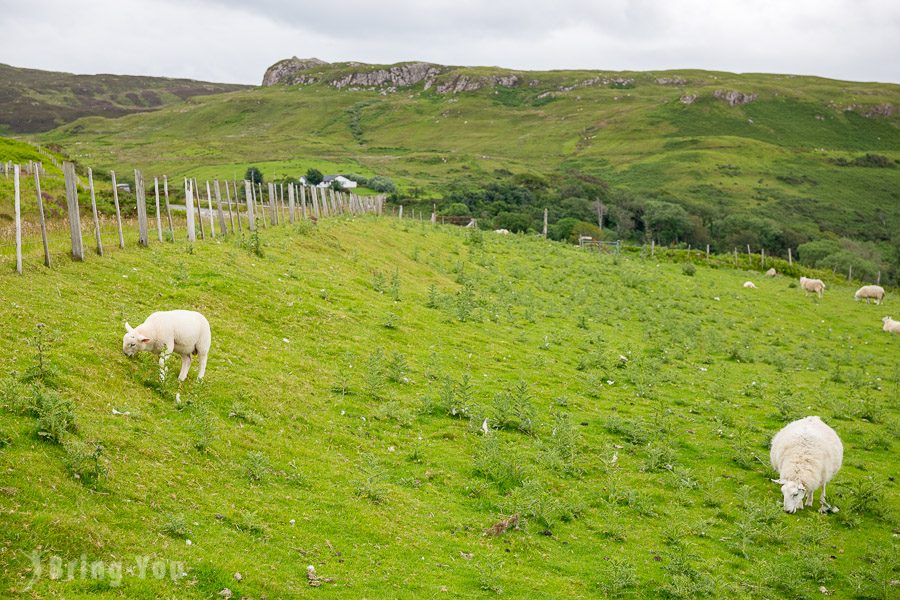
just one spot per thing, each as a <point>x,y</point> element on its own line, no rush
<point>870,292</point>
<point>771,272</point>
<point>890,325</point>
<point>183,331</point>
<point>812,285</point>
<point>807,454</point>
<point>749,285</point>
<point>502,231</point>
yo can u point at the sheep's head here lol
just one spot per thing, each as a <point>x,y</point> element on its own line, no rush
<point>794,493</point>
<point>133,342</point>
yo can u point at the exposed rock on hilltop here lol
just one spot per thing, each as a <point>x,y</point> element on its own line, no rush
<point>734,98</point>
<point>396,76</point>
<point>284,70</point>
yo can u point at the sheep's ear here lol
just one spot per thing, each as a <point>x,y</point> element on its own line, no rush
<point>128,327</point>
<point>778,481</point>
<point>144,340</point>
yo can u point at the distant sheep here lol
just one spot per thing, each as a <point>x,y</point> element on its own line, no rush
<point>807,454</point>
<point>750,285</point>
<point>771,272</point>
<point>890,325</point>
<point>813,285</point>
<point>873,292</point>
<point>502,231</point>
<point>183,331</point>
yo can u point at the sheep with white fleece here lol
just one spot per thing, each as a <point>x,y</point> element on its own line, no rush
<point>183,331</point>
<point>807,454</point>
<point>874,292</point>
<point>749,285</point>
<point>771,272</point>
<point>812,285</point>
<point>890,325</point>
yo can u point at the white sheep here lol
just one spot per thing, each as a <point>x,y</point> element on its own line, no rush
<point>749,285</point>
<point>807,454</point>
<point>874,292</point>
<point>771,272</point>
<point>812,285</point>
<point>890,325</point>
<point>502,231</point>
<point>183,331</point>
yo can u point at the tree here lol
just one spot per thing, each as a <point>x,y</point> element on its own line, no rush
<point>667,221</point>
<point>314,176</point>
<point>456,209</point>
<point>336,185</point>
<point>254,175</point>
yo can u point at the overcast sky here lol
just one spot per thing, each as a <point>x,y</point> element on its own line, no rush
<point>234,41</point>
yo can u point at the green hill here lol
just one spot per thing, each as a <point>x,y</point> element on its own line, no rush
<point>32,100</point>
<point>628,411</point>
<point>814,158</point>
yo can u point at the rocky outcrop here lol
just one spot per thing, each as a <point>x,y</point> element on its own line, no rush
<point>671,81</point>
<point>402,75</point>
<point>289,71</point>
<point>465,83</point>
<point>688,98</point>
<point>879,110</point>
<point>734,98</point>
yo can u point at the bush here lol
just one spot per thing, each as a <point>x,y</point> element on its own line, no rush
<point>254,175</point>
<point>55,414</point>
<point>689,269</point>
<point>456,209</point>
<point>84,459</point>
<point>314,176</point>
<point>382,184</point>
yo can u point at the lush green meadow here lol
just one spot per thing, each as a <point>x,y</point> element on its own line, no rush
<point>380,393</point>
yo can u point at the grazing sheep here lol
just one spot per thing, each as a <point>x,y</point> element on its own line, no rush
<point>875,292</point>
<point>771,272</point>
<point>503,231</point>
<point>183,331</point>
<point>807,454</point>
<point>750,285</point>
<point>890,325</point>
<point>813,285</point>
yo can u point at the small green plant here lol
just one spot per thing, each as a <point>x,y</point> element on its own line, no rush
<point>688,269</point>
<point>395,286</point>
<point>253,244</point>
<point>175,525</point>
<point>618,577</point>
<point>256,466</point>
<point>374,375</point>
<point>370,483</point>
<point>41,370</point>
<point>55,414</point>
<point>240,410</point>
<point>433,300</point>
<point>496,464</point>
<point>84,460</point>
<point>514,409</point>
<point>398,368</point>
<point>202,426</point>
<point>465,301</point>
<point>392,321</point>
<point>378,281</point>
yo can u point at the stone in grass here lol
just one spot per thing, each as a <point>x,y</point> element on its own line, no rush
<point>315,580</point>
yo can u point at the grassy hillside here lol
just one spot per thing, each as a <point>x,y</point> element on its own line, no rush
<point>342,423</point>
<point>33,100</point>
<point>778,156</point>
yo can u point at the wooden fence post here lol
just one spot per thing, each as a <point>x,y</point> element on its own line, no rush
<point>735,257</point>
<point>762,257</point>
<point>230,209</point>
<point>223,229</point>
<point>115,187</point>
<point>878,281</point>
<point>209,208</point>
<point>74,216</point>
<point>158,213</point>
<point>143,233</point>
<point>94,212</point>
<point>749,256</point>
<point>18,210</point>
<point>189,204</point>
<point>40,203</point>
<point>850,273</point>
<point>545,224</point>
<point>790,258</point>
<point>272,199</point>
<point>707,252</point>
<point>303,201</point>
<point>237,207</point>
<point>652,247</point>
<point>291,208</point>
<point>248,193</point>
<point>400,214</point>
<point>168,208</point>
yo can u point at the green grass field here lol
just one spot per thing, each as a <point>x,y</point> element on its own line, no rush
<point>628,405</point>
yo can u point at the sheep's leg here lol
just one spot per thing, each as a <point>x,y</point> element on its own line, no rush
<point>185,365</point>
<point>809,497</point>
<point>202,372</point>
<point>824,507</point>
<point>163,357</point>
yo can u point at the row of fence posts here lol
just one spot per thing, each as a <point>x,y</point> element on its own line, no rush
<point>303,202</point>
<point>30,167</point>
